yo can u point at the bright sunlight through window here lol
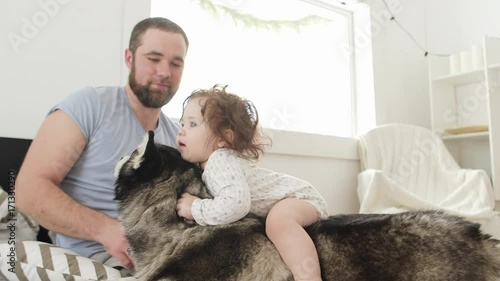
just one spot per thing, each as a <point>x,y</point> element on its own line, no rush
<point>288,56</point>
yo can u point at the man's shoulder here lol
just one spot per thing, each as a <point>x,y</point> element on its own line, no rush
<point>95,94</point>
<point>92,96</point>
<point>103,91</point>
<point>89,103</point>
<point>107,89</point>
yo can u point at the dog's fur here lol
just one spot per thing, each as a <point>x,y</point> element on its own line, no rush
<point>417,245</point>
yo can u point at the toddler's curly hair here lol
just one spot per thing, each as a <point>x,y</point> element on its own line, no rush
<point>223,110</point>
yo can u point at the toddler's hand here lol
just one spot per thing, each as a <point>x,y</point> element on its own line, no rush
<point>183,206</point>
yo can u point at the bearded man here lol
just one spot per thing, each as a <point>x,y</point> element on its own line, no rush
<point>66,182</point>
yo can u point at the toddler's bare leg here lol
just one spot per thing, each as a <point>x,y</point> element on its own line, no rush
<point>285,228</point>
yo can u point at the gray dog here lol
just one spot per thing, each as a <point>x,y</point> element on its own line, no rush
<point>416,246</point>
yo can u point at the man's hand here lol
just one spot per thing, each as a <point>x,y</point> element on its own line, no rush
<point>114,241</point>
<point>184,206</point>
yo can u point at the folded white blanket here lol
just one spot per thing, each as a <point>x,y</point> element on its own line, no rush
<point>408,167</point>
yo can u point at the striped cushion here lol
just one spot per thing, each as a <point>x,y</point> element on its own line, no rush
<point>33,260</point>
<point>25,227</point>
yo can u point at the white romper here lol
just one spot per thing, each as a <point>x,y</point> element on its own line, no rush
<point>239,187</point>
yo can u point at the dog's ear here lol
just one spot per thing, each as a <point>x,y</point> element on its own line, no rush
<point>146,155</point>
<point>145,158</point>
<point>151,153</point>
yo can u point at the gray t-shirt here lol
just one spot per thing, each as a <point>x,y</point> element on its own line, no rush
<point>112,131</point>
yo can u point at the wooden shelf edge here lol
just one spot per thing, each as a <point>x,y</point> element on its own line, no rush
<point>494,67</point>
<point>476,136</point>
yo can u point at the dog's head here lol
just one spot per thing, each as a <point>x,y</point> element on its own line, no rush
<point>156,170</point>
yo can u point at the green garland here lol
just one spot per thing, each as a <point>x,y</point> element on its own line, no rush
<point>251,21</point>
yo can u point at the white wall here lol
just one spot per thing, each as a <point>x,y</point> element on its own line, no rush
<point>463,26</point>
<point>53,47</point>
<point>331,164</point>
<point>400,67</point>
<point>336,179</point>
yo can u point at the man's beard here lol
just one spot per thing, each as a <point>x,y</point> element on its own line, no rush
<point>150,98</point>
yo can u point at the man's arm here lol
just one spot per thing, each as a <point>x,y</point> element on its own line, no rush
<point>55,149</point>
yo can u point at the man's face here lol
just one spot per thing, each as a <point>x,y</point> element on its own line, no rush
<point>156,67</point>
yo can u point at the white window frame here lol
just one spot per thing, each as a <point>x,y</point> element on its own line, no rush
<point>362,94</point>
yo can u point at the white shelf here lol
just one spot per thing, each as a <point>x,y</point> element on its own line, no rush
<point>469,136</point>
<point>466,99</point>
<point>461,78</point>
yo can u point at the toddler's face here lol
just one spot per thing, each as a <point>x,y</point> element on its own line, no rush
<point>195,140</point>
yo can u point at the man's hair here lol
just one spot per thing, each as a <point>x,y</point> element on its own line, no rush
<point>222,110</point>
<point>160,23</point>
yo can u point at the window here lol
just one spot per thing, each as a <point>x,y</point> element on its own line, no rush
<point>290,57</point>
